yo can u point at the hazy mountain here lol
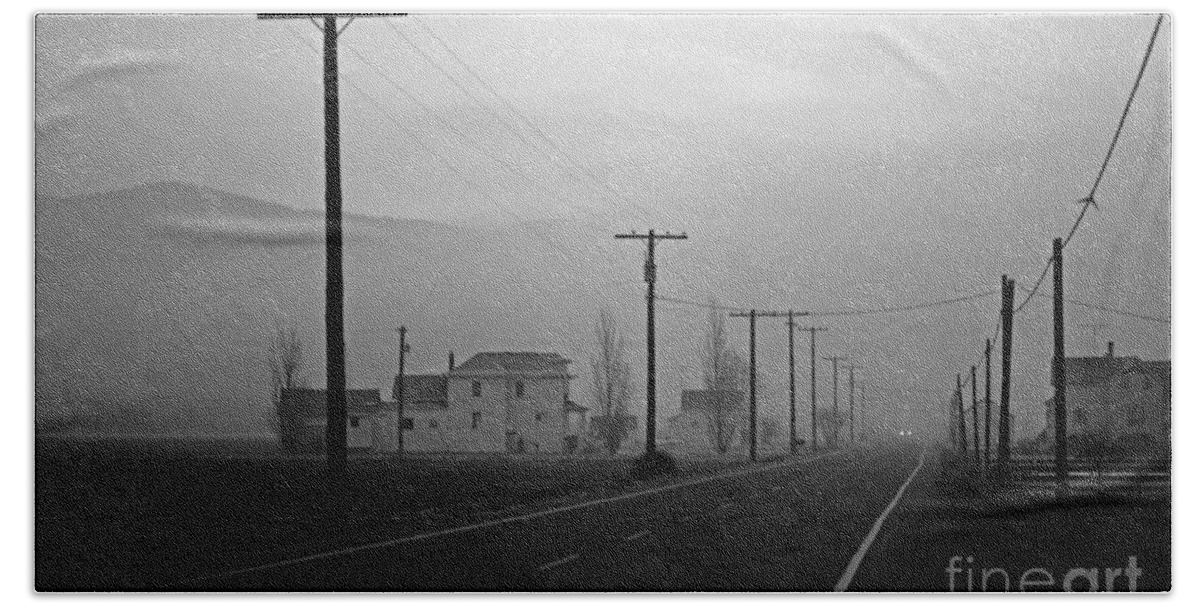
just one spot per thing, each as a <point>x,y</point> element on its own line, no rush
<point>155,305</point>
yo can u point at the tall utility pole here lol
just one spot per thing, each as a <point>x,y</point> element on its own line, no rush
<point>650,275</point>
<point>987,404</point>
<point>753,393</point>
<point>1006,323</point>
<point>837,423</point>
<point>1058,369</point>
<point>404,348</point>
<point>812,382</point>
<point>335,339</point>
<point>962,423</point>
<point>975,413</point>
<point>791,325</point>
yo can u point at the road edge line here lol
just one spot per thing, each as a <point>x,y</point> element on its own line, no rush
<point>506,520</point>
<point>852,568</point>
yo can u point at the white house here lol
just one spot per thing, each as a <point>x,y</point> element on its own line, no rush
<point>515,402</point>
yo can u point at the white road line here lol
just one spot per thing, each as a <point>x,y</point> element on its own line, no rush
<point>636,536</point>
<point>506,520</point>
<point>554,564</point>
<point>724,505</point>
<point>847,576</point>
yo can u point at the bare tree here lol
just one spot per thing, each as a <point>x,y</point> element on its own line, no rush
<point>285,358</point>
<point>726,378</point>
<point>611,383</point>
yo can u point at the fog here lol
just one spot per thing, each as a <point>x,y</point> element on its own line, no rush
<point>817,162</point>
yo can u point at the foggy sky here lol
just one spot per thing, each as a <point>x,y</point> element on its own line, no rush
<point>817,161</point>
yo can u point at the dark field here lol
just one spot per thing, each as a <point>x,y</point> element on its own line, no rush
<point>120,514</point>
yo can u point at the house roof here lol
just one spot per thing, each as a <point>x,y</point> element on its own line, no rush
<point>711,400</point>
<point>311,402</point>
<point>514,363</point>
<point>1094,370</point>
<point>422,390</point>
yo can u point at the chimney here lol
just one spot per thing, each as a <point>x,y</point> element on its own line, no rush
<point>452,360</point>
<point>1110,349</point>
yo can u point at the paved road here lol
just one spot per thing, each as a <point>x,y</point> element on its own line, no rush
<point>794,526</point>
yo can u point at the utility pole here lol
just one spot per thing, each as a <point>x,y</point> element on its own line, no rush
<point>335,339</point>
<point>1058,369</point>
<point>975,414</point>
<point>812,382</point>
<point>852,426</point>
<point>650,275</point>
<point>404,348</point>
<point>987,404</point>
<point>837,423</point>
<point>1006,323</point>
<point>753,393</point>
<point>862,402</point>
<point>791,325</point>
<point>962,423</point>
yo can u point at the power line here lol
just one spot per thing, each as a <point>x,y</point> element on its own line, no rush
<point>1116,311</point>
<point>846,312</point>
<point>407,129</point>
<point>575,166</point>
<point>1090,199</point>
<point>710,306</point>
<point>903,308</point>
<point>447,124</point>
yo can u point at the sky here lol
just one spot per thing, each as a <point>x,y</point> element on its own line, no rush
<point>831,160</point>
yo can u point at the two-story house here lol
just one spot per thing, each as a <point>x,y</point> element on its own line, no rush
<point>511,402</point>
<point>1117,399</point>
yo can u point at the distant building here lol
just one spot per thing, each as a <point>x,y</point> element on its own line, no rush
<point>1121,399</point>
<point>302,420</point>
<point>515,402</point>
<point>705,416</point>
<point>494,402</point>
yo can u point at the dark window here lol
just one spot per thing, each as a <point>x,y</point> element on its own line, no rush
<point>1147,384</point>
<point>354,422</point>
<point>519,389</point>
<point>476,417</point>
<point>433,424</point>
<point>408,424</point>
<point>476,388</point>
<point>537,417</point>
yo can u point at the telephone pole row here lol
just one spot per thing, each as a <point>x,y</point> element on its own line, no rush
<point>791,324</point>
<point>812,383</point>
<point>836,419</point>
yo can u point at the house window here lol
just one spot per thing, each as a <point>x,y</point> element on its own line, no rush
<point>433,424</point>
<point>1136,415</point>
<point>408,424</point>
<point>476,388</point>
<point>476,418</point>
<point>354,422</point>
<point>519,389</point>
<point>1081,415</point>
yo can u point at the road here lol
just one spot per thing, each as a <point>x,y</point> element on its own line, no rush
<point>788,526</point>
